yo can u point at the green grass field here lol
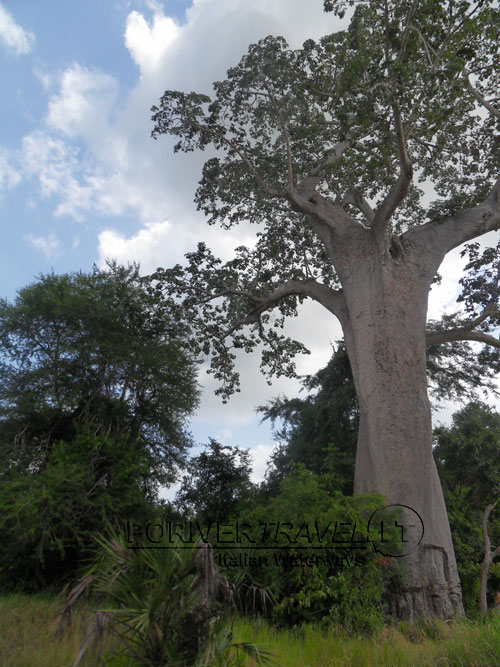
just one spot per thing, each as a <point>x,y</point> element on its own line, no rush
<point>27,626</point>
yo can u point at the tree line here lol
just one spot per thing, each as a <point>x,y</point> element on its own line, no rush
<point>96,393</point>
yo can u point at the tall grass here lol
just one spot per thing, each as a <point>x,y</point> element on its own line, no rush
<point>459,645</point>
<point>27,626</point>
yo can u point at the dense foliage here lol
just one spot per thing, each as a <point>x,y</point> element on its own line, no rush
<point>309,141</point>
<point>217,483</point>
<point>95,390</point>
<point>468,458</point>
<point>310,578</point>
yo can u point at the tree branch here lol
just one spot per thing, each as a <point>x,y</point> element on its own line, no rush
<point>307,186</point>
<point>399,189</point>
<point>308,200</point>
<point>488,557</point>
<point>286,139</point>
<point>438,237</point>
<point>331,299</point>
<point>451,335</point>
<point>466,331</point>
<point>356,199</point>
<point>482,100</point>
<point>335,154</point>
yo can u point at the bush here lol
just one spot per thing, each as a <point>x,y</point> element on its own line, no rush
<point>327,585</point>
<point>167,605</point>
<point>49,517</point>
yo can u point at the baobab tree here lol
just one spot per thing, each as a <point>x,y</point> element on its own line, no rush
<point>364,158</point>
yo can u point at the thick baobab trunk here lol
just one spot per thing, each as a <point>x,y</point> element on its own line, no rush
<point>385,339</point>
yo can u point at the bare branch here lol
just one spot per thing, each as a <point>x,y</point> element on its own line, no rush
<point>437,237</point>
<point>466,331</point>
<point>482,100</point>
<point>451,335</point>
<point>357,200</point>
<point>399,189</point>
<point>331,299</point>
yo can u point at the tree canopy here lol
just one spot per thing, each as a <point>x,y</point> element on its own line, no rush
<point>216,484</point>
<point>95,392</point>
<point>319,431</point>
<point>356,131</point>
<point>93,351</point>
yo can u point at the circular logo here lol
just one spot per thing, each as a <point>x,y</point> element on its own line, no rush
<point>395,530</point>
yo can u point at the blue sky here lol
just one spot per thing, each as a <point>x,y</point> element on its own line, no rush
<point>82,180</point>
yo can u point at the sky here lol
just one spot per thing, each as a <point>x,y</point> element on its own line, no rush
<point>81,179</point>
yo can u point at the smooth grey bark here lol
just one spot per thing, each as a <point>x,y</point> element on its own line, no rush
<point>382,307</point>
<point>385,340</point>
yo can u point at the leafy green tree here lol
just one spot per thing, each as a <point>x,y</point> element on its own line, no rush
<point>319,431</point>
<point>93,351</point>
<point>467,454</point>
<point>327,148</point>
<point>217,483</point>
<point>49,517</point>
<point>95,389</point>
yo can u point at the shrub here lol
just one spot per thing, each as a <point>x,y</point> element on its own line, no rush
<point>309,584</point>
<point>167,605</point>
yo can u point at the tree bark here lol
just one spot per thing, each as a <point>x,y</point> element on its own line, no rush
<point>384,332</point>
<point>489,556</point>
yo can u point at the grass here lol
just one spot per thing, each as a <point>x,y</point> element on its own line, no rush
<point>458,645</point>
<point>27,625</point>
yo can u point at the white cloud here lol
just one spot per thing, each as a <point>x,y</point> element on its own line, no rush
<point>56,165</point>
<point>260,456</point>
<point>49,246</point>
<point>14,38</point>
<point>95,155</point>
<point>148,43</point>
<point>9,176</point>
<point>83,103</point>
<point>144,247</point>
<point>45,78</point>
